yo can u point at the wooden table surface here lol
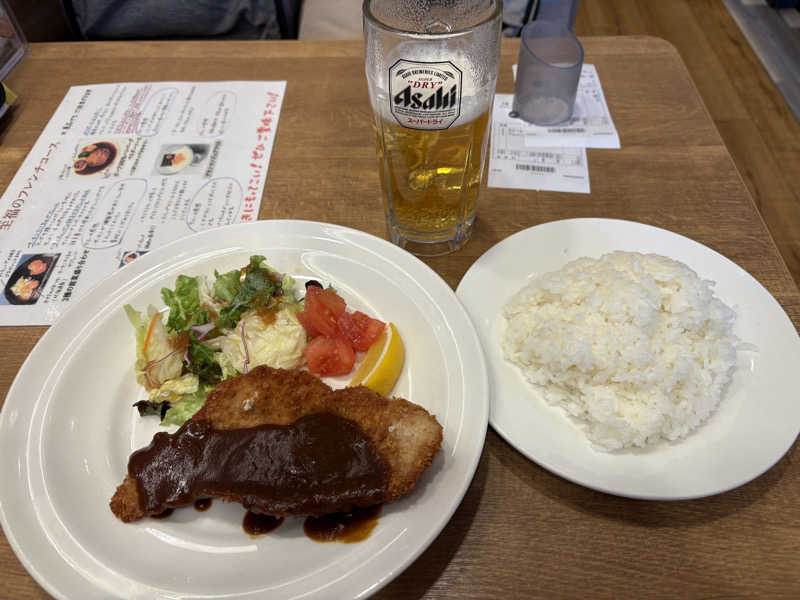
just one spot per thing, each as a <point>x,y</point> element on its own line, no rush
<point>520,531</point>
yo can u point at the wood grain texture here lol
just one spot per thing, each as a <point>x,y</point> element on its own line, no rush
<point>757,125</point>
<point>520,531</point>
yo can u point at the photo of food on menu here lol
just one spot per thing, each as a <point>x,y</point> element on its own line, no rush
<point>121,169</point>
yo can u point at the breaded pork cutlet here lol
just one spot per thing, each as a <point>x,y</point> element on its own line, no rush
<point>398,436</point>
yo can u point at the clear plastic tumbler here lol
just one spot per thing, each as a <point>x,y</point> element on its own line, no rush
<point>548,72</point>
<point>431,69</point>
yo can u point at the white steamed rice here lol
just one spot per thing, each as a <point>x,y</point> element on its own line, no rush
<point>635,345</point>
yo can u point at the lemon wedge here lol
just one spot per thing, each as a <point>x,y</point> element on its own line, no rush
<point>382,363</point>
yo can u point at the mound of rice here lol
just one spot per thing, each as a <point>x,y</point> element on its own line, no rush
<point>635,345</point>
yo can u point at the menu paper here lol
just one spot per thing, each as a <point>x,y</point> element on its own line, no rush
<point>122,169</point>
<point>514,164</point>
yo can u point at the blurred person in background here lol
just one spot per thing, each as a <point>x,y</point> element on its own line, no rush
<point>341,19</point>
<point>213,19</point>
<point>176,19</point>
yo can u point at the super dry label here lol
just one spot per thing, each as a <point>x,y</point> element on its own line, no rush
<point>425,95</point>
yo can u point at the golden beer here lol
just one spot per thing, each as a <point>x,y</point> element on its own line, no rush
<point>430,178</point>
<point>431,70</point>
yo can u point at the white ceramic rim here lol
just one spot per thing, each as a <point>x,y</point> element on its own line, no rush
<point>23,528</point>
<point>653,474</point>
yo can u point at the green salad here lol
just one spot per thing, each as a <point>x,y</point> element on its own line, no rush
<point>213,329</point>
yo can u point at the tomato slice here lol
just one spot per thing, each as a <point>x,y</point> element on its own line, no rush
<point>307,323</point>
<point>329,356</point>
<point>372,328</point>
<point>329,299</point>
<point>322,309</point>
<point>359,330</point>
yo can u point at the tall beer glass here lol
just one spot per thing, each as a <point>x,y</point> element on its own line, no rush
<point>431,69</point>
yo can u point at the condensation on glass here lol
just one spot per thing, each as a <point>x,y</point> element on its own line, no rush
<point>432,70</point>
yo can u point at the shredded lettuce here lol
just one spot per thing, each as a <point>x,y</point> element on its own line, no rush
<point>185,407</point>
<point>201,362</point>
<point>207,300</point>
<point>158,362</point>
<point>174,389</point>
<point>162,361</point>
<point>179,363</point>
<point>184,395</point>
<point>278,344</point>
<point>290,309</point>
<point>287,286</point>
<point>184,304</point>
<point>140,326</point>
<point>254,290</point>
<point>227,284</point>
<point>226,365</point>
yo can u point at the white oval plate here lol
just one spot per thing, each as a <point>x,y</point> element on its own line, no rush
<point>755,424</point>
<point>67,429</point>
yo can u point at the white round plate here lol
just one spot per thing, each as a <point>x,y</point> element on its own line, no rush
<point>67,429</point>
<point>755,424</point>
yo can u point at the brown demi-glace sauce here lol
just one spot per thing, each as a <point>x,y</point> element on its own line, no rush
<point>259,524</point>
<point>202,504</point>
<point>320,464</point>
<point>349,527</point>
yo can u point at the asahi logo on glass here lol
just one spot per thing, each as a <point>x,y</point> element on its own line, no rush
<point>425,95</point>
